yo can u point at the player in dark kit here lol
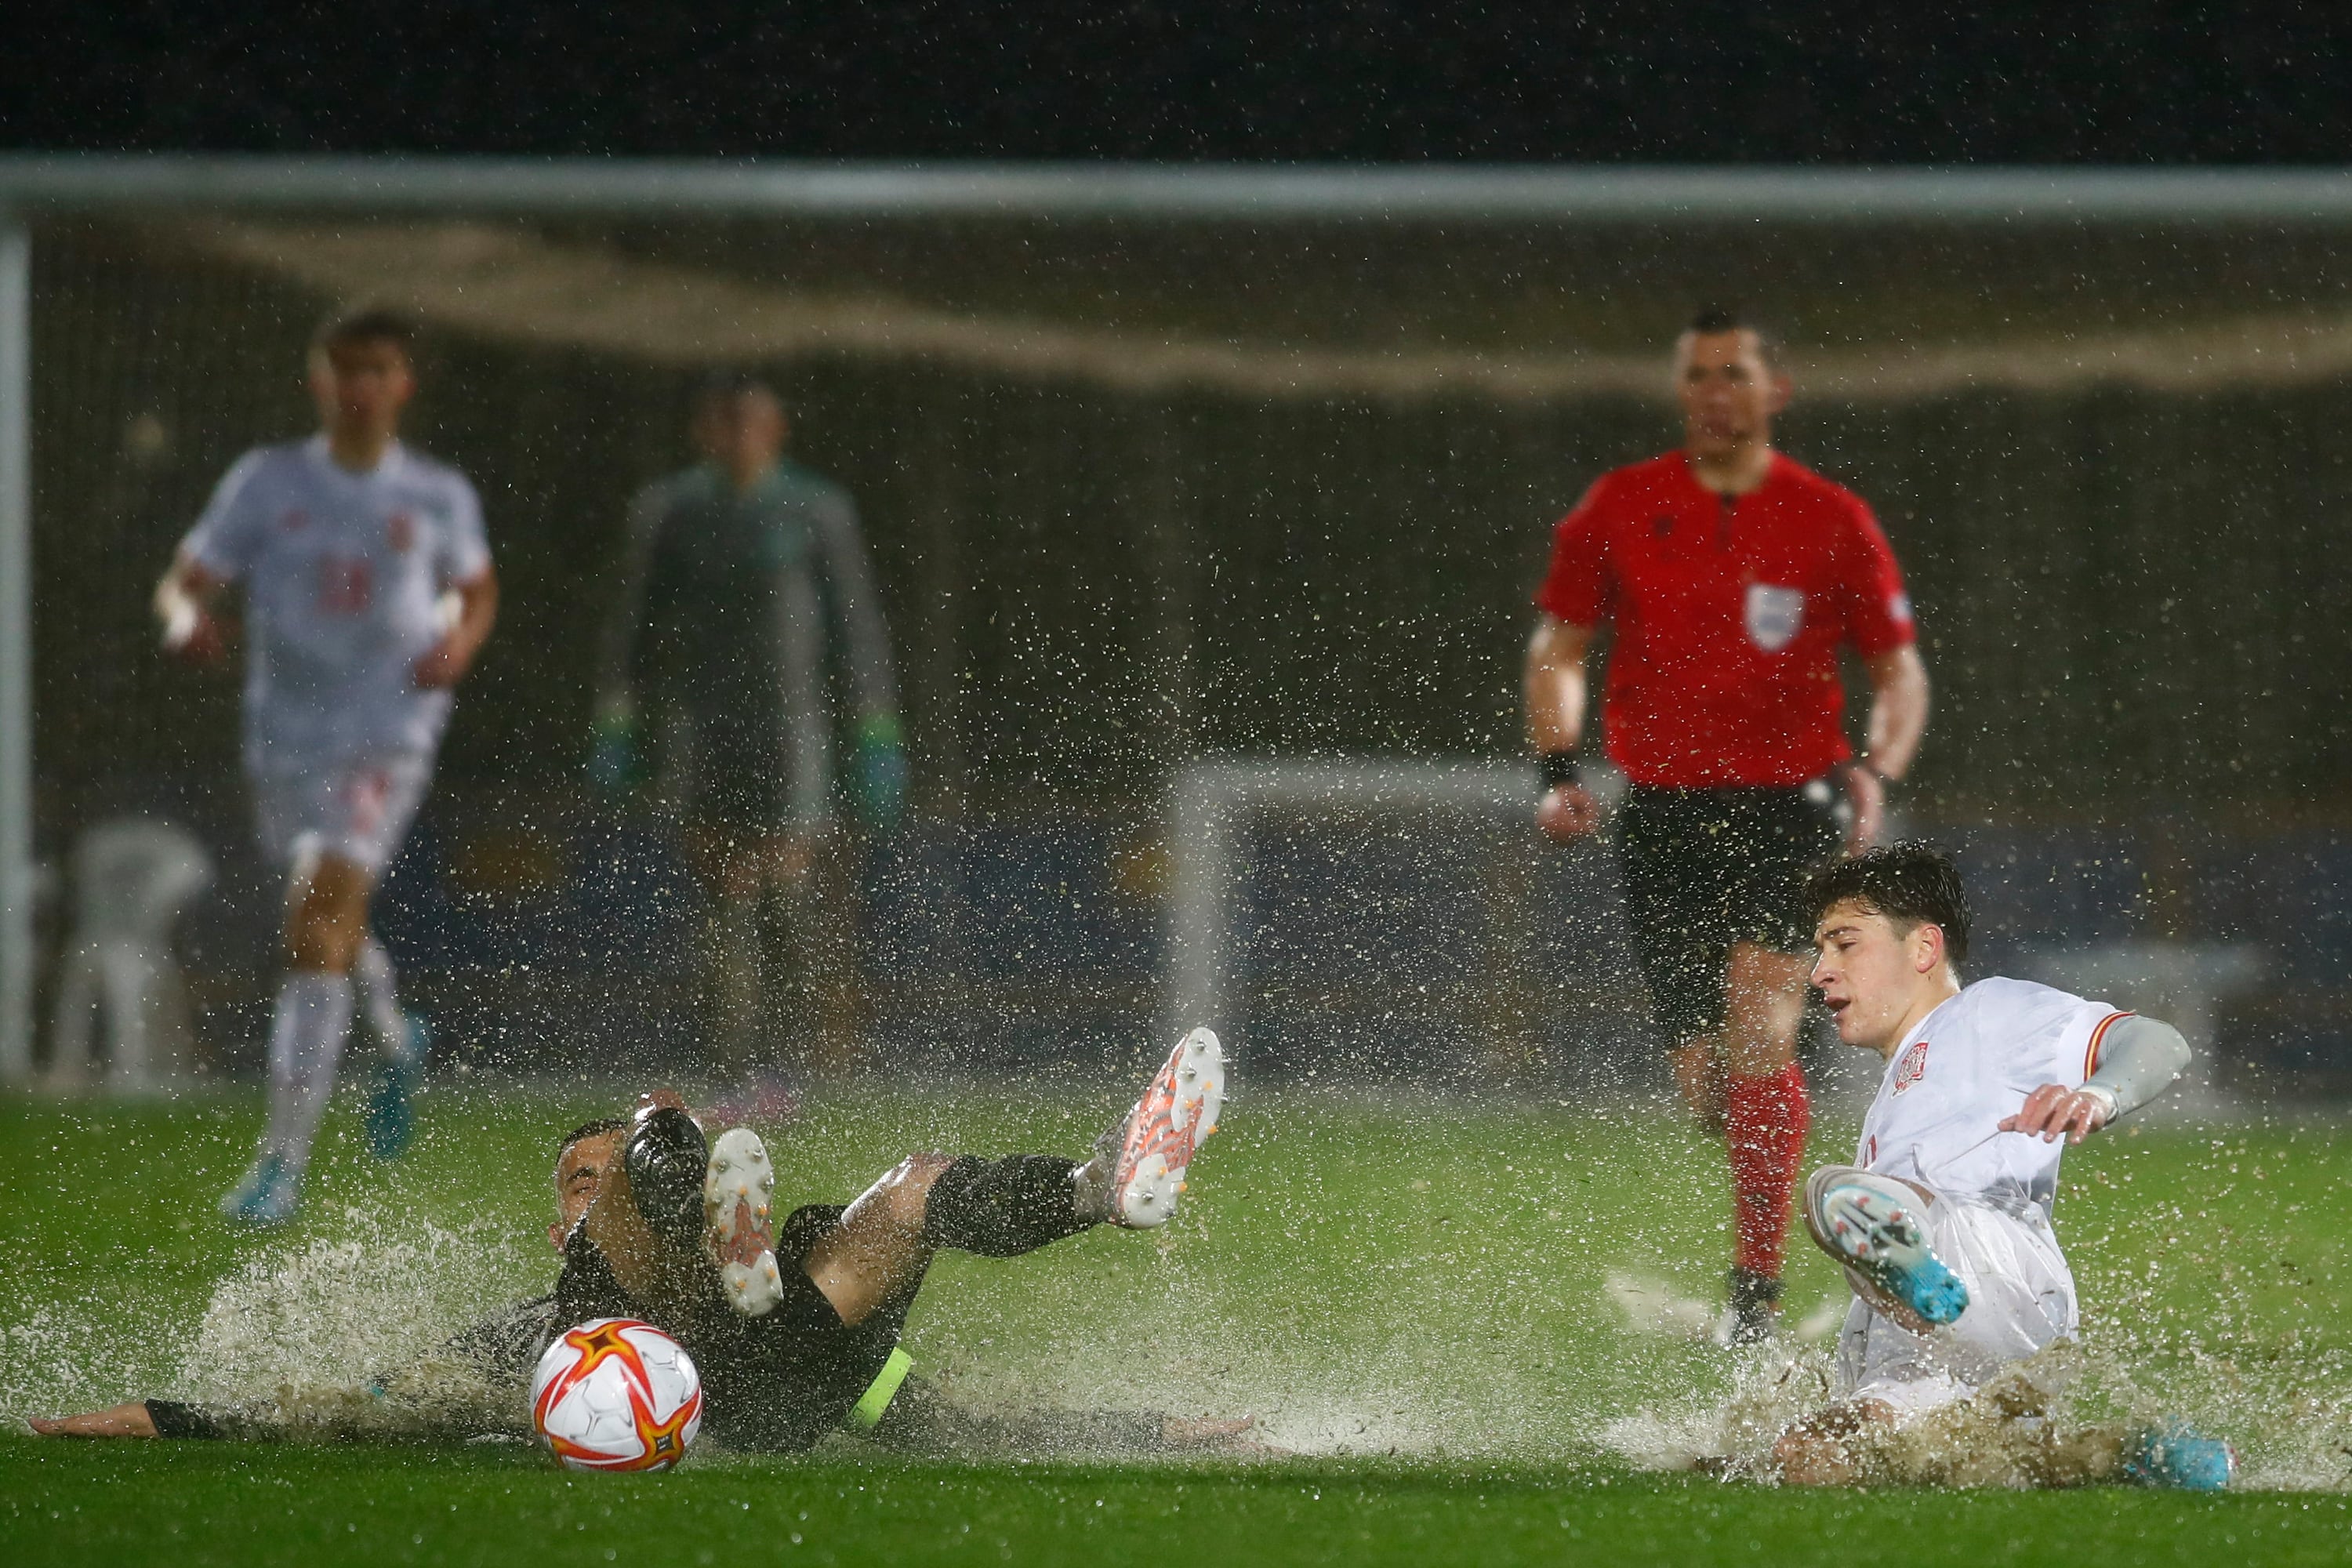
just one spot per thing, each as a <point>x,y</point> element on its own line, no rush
<point>745,573</point>
<point>795,1327</point>
<point>1731,576</point>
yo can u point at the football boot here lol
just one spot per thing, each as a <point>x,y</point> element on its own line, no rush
<point>268,1196</point>
<point>1138,1166</point>
<point>1859,1220</point>
<point>666,1161</point>
<point>2175,1455</point>
<point>739,1232</point>
<point>1752,1314</point>
<point>389,1118</point>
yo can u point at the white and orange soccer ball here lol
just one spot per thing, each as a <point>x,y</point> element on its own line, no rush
<point>616,1394</point>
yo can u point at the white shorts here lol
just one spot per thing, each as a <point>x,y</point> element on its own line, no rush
<point>2020,1297</point>
<point>355,812</point>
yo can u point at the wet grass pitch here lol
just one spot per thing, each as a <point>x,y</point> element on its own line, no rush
<point>199,1504</point>
<point>1412,1293</point>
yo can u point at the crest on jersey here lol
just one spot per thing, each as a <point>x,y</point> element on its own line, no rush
<point>400,532</point>
<point>1912,1068</point>
<point>293,520</point>
<point>1775,615</point>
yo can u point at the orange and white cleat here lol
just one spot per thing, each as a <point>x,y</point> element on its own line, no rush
<point>1138,1167</point>
<point>739,1232</point>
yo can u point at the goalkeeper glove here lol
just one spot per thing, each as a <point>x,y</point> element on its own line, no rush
<point>615,765</point>
<point>878,772</point>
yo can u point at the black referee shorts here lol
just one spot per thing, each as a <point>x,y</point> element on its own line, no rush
<point>1707,868</point>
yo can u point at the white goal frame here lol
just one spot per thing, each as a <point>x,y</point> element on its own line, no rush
<point>1209,807</point>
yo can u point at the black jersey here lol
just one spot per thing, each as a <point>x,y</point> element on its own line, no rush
<point>779,1381</point>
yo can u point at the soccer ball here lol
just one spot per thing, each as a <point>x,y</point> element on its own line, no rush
<point>616,1394</point>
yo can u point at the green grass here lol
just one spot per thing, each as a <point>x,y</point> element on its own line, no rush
<point>202,1504</point>
<point>1422,1280</point>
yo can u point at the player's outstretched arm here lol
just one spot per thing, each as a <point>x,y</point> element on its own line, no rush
<point>131,1420</point>
<point>1556,690</point>
<point>446,662</point>
<point>2055,1111</point>
<point>2138,1059</point>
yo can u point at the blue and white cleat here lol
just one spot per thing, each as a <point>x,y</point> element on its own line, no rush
<point>267,1196</point>
<point>2178,1457</point>
<point>389,1118</point>
<point>1860,1222</point>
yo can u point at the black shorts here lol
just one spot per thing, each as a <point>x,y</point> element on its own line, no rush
<point>1707,868</point>
<point>778,1382</point>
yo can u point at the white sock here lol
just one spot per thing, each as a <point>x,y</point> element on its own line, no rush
<point>379,994</point>
<point>314,1013</point>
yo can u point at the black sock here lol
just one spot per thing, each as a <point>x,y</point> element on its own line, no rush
<point>1001,1208</point>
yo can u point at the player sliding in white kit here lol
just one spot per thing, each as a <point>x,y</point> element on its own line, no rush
<point>1942,1223</point>
<point>368,591</point>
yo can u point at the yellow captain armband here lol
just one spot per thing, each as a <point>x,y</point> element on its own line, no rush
<point>867,1414</point>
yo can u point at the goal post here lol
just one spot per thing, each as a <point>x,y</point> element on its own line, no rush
<point>1314,902</point>
<point>16,864</point>
<point>1212,803</point>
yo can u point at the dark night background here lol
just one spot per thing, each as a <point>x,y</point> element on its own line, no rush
<point>1773,81</point>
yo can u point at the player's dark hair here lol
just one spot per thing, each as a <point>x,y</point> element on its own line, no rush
<point>602,1124</point>
<point>367,324</point>
<point>1910,883</point>
<point>1710,319</point>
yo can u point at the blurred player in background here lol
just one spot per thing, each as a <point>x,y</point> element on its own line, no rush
<point>1731,576</point>
<point>1942,1222</point>
<point>742,571</point>
<point>367,591</point>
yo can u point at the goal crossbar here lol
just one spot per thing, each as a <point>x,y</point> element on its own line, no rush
<point>1464,193</point>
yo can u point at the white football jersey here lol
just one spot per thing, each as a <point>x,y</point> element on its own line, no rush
<point>1968,1065</point>
<point>343,575</point>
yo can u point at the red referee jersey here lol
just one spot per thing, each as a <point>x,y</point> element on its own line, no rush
<point>1728,613</point>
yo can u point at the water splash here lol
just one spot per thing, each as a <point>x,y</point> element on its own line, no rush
<point>2064,1417</point>
<point>344,1335</point>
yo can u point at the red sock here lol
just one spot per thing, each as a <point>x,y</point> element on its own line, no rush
<point>1768,1118</point>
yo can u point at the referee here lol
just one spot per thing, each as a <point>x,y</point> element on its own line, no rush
<point>1731,576</point>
